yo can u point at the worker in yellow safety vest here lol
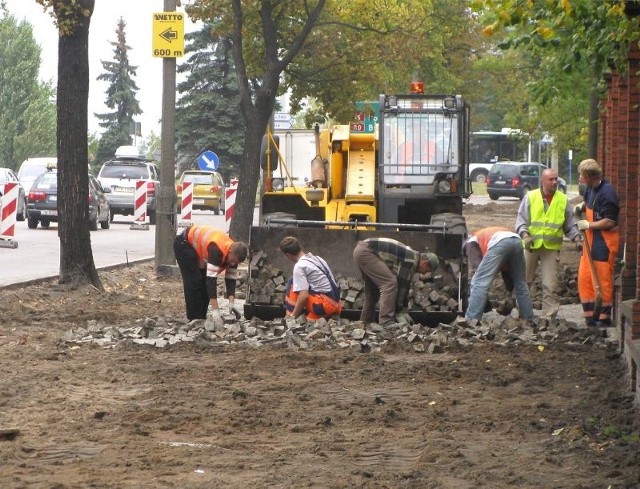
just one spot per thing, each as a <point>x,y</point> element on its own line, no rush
<point>544,218</point>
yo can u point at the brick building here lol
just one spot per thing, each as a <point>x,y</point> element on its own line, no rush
<point>619,155</point>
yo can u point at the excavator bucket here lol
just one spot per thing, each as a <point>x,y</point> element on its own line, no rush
<point>269,267</point>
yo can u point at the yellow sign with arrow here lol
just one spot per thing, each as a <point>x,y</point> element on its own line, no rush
<point>168,34</point>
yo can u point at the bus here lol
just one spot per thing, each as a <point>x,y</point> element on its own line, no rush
<point>489,147</point>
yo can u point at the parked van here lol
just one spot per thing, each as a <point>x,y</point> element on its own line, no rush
<point>32,168</point>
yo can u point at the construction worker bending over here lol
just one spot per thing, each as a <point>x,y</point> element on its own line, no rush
<point>203,253</point>
<point>492,250</point>
<point>387,267</point>
<point>544,217</point>
<point>599,222</point>
<point>312,290</point>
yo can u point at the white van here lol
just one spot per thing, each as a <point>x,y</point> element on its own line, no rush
<point>32,168</point>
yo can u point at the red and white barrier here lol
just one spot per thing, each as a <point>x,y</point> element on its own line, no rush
<point>186,206</point>
<point>140,206</point>
<point>9,206</point>
<point>229,203</point>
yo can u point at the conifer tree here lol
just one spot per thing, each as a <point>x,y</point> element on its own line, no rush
<point>207,115</point>
<point>121,97</point>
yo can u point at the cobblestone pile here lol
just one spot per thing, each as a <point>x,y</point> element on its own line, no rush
<point>303,334</point>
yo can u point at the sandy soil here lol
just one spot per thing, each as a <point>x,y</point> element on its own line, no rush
<point>190,416</point>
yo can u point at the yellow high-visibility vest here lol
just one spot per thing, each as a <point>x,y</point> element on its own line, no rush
<point>546,228</point>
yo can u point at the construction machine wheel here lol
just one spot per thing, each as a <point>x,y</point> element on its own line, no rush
<point>456,223</point>
<point>266,219</point>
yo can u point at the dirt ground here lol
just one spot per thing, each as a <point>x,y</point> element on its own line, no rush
<point>191,416</point>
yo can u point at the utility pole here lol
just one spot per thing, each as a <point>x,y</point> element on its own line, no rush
<point>166,194</point>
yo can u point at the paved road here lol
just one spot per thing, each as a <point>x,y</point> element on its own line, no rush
<point>38,252</point>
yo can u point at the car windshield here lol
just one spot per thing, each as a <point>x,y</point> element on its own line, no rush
<point>48,181</point>
<point>199,178</point>
<point>134,172</point>
<point>505,170</point>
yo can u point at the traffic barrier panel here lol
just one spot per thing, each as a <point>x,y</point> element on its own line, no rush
<point>8,215</point>
<point>230,203</point>
<point>186,206</point>
<point>140,206</point>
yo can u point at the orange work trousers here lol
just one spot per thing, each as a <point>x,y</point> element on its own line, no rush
<point>604,248</point>
<point>317,306</point>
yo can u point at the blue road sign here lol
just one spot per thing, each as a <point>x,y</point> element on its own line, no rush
<point>208,161</point>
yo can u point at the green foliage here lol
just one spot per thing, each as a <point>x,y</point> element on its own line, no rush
<point>207,115</point>
<point>151,145</point>
<point>28,114</point>
<point>38,137</point>
<point>361,49</point>
<point>121,97</point>
<point>569,45</point>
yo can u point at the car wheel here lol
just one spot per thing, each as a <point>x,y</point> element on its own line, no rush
<point>106,224</point>
<point>152,217</point>
<point>45,223</point>
<point>216,211</point>
<point>93,222</point>
<point>493,196</point>
<point>524,192</point>
<point>111,214</point>
<point>22,215</point>
<point>32,223</point>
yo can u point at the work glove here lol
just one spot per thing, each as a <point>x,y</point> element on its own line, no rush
<point>213,313</point>
<point>583,224</point>
<point>578,210</point>
<point>528,241</point>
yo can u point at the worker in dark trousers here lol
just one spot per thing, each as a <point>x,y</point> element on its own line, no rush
<point>203,253</point>
<point>387,266</point>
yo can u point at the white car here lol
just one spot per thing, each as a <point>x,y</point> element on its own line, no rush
<point>32,168</point>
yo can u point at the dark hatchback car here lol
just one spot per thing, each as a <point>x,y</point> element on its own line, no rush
<point>512,179</point>
<point>42,204</point>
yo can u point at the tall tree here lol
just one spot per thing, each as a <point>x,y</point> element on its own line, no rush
<point>332,54</point>
<point>72,18</point>
<point>266,64</point>
<point>206,115</point>
<point>27,117</point>
<point>39,135</point>
<point>121,97</point>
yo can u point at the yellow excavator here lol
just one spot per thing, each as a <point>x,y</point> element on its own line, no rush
<point>399,170</point>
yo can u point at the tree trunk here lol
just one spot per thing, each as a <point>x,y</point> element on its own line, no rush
<point>76,257</point>
<point>249,171</point>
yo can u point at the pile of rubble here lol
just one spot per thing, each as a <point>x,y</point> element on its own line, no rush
<point>429,292</point>
<point>303,334</point>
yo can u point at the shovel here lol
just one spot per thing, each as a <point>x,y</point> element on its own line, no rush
<point>597,308</point>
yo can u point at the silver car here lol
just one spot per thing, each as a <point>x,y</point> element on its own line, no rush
<point>120,176</point>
